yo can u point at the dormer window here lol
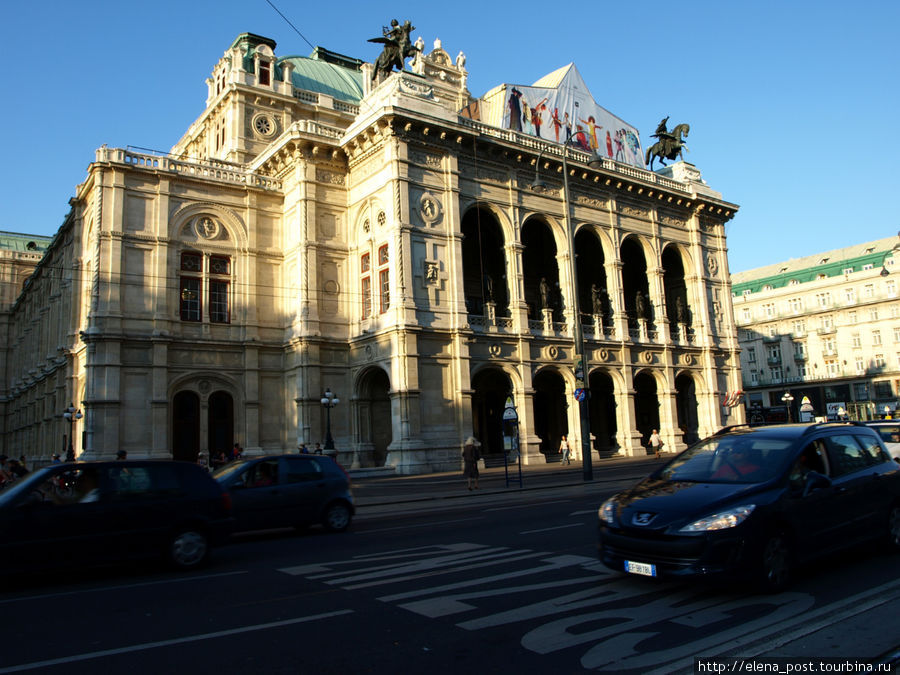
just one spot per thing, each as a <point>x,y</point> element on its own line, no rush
<point>265,73</point>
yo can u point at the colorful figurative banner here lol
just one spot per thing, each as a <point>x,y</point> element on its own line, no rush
<point>568,111</point>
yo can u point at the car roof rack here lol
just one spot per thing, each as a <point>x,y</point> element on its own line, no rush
<point>732,427</point>
<point>819,425</point>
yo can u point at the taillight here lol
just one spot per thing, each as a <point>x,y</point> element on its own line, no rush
<point>226,501</point>
<point>349,482</point>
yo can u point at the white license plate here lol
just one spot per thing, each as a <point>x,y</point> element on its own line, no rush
<point>640,568</point>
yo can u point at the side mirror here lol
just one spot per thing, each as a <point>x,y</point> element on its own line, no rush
<point>816,481</point>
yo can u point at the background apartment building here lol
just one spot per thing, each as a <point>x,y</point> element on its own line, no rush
<point>826,326</point>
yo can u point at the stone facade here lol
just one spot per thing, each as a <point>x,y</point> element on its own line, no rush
<point>384,247</point>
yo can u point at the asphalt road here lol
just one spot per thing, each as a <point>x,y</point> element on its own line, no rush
<point>494,582</point>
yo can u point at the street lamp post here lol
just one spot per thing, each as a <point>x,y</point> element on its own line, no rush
<point>896,249</point>
<point>329,400</point>
<point>787,399</point>
<point>595,162</point>
<point>71,414</point>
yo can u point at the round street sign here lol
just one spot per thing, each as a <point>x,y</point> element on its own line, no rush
<point>579,394</point>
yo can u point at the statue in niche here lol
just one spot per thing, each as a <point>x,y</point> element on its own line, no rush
<point>545,294</point>
<point>640,306</point>
<point>680,310</point>
<point>597,300</point>
<point>397,48</point>
<point>488,288</point>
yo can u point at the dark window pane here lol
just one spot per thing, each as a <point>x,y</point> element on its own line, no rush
<point>190,299</point>
<point>191,262</point>
<point>218,302</point>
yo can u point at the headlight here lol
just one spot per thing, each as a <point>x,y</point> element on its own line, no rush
<point>720,521</point>
<point>607,512</point>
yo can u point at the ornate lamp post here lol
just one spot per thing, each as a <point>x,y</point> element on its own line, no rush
<point>788,399</point>
<point>329,400</point>
<point>584,414</point>
<point>71,414</point>
<point>896,249</point>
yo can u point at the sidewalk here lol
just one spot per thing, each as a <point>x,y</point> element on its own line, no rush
<point>378,487</point>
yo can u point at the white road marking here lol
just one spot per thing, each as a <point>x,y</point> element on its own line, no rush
<point>95,589</point>
<point>168,643</point>
<point>550,529</point>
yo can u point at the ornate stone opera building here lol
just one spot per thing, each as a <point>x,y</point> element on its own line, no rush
<point>314,230</point>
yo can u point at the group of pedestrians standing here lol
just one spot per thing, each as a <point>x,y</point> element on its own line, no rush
<point>11,470</point>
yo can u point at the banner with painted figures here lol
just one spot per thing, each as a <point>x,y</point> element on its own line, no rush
<point>567,110</point>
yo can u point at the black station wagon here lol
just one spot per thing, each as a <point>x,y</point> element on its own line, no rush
<point>98,512</point>
<point>755,502</point>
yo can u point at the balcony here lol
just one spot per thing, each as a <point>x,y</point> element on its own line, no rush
<point>800,357</point>
<point>774,361</point>
<point>827,330</point>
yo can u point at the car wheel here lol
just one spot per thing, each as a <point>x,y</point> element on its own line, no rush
<point>337,517</point>
<point>188,549</point>
<point>893,530</point>
<point>775,568</point>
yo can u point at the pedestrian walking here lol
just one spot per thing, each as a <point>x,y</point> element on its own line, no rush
<point>564,450</point>
<point>302,449</point>
<point>471,454</point>
<point>655,443</point>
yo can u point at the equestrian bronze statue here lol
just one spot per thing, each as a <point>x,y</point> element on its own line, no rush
<point>669,145</point>
<point>397,48</point>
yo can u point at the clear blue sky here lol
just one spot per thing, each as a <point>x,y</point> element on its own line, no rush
<point>788,102</point>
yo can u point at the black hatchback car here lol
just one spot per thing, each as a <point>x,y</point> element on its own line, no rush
<point>753,502</point>
<point>99,512</point>
<point>288,491</point>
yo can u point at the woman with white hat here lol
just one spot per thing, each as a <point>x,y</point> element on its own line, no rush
<point>471,455</point>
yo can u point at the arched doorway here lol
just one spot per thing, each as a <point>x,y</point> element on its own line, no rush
<point>484,262</point>
<point>220,420</point>
<point>539,262</point>
<point>550,421</point>
<point>678,308</point>
<point>686,404</point>
<point>185,426</point>
<point>374,417</point>
<point>646,405</point>
<point>603,412</point>
<point>591,273</point>
<point>634,281</point>
<point>491,389</point>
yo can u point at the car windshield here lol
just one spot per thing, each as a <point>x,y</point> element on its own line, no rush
<point>738,458</point>
<point>229,469</point>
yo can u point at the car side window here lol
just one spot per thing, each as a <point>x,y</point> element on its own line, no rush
<point>262,474</point>
<point>846,454</point>
<point>872,450</point>
<point>811,459</point>
<point>303,470</point>
<point>128,483</point>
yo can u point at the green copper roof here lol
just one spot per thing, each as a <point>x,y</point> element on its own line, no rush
<point>29,243</point>
<point>810,268</point>
<point>341,80</point>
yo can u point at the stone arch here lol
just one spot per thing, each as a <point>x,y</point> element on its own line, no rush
<point>209,426</point>
<point>486,277</point>
<point>633,252</point>
<point>374,416</point>
<point>540,256</point>
<point>550,412</point>
<point>687,405</point>
<point>675,290</point>
<point>603,384</point>
<point>590,270</point>
<point>647,387</point>
<point>185,225</point>
<point>491,385</point>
